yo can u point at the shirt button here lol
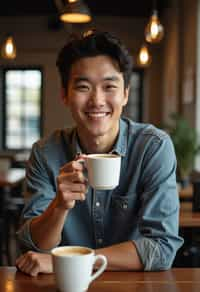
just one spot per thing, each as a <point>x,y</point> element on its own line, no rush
<point>100,240</point>
<point>97,204</point>
<point>125,206</point>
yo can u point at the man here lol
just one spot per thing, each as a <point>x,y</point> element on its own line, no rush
<point>135,225</point>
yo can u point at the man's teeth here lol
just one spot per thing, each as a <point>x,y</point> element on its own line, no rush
<point>97,115</point>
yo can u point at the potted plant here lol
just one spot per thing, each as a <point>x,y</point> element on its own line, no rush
<point>186,144</point>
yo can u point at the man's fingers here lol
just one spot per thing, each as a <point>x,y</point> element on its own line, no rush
<point>35,270</point>
<point>33,263</point>
<point>74,165</point>
<point>73,187</point>
<point>29,267</point>
<point>69,178</point>
<point>26,264</point>
<point>71,183</point>
<point>26,261</point>
<point>75,196</point>
<point>81,157</point>
<point>78,176</point>
<point>21,261</point>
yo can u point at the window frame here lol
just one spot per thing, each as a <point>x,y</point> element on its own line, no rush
<point>140,72</point>
<point>5,69</point>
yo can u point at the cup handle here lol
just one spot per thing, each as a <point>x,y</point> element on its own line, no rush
<point>101,268</point>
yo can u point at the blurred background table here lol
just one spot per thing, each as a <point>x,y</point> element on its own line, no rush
<point>186,193</point>
<point>11,204</point>
<point>188,218</point>
<point>189,229</point>
<point>11,177</point>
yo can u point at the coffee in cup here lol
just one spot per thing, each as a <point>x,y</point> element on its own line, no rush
<point>103,170</point>
<point>73,266</point>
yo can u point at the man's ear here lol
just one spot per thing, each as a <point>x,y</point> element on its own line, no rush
<point>64,96</point>
<point>126,94</point>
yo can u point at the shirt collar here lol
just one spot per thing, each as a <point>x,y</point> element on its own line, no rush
<point>75,143</point>
<point>120,146</point>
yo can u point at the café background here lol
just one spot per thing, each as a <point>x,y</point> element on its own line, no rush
<point>171,84</point>
<point>165,80</point>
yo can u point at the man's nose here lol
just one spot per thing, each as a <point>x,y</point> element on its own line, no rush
<point>97,97</point>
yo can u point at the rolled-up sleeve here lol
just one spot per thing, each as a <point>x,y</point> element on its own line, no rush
<point>39,192</point>
<point>159,213</point>
<point>25,240</point>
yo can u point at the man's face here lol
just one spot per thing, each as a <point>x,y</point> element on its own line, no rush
<point>96,96</point>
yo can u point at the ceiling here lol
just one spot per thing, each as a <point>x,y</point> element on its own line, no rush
<point>132,8</point>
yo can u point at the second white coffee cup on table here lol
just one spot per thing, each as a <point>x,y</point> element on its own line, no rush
<point>73,267</point>
<point>103,170</point>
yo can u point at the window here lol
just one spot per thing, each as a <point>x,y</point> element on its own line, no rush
<point>133,109</point>
<point>22,107</point>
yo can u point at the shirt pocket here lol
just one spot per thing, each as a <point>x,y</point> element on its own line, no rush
<point>124,215</point>
<point>125,203</point>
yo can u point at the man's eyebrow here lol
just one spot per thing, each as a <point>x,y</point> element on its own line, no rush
<point>111,78</point>
<point>79,79</point>
<point>108,78</point>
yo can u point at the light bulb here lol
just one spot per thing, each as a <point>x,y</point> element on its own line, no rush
<point>144,58</point>
<point>154,30</point>
<point>8,50</point>
<point>75,11</point>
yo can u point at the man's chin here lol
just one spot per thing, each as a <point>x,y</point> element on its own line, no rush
<point>96,132</point>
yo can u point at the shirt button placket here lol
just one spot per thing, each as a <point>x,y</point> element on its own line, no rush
<point>98,204</point>
<point>98,220</point>
<point>100,241</point>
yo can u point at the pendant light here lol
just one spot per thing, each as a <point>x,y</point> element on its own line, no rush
<point>73,11</point>
<point>154,31</point>
<point>144,58</point>
<point>8,50</point>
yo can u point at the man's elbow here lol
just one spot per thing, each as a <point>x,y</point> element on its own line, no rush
<point>162,263</point>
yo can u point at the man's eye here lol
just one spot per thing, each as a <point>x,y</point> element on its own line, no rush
<point>82,87</point>
<point>111,87</point>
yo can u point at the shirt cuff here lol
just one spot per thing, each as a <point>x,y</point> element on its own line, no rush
<point>149,253</point>
<point>25,239</point>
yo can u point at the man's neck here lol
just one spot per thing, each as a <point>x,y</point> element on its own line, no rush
<point>98,144</point>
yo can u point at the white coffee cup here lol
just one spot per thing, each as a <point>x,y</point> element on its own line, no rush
<point>73,267</point>
<point>103,170</point>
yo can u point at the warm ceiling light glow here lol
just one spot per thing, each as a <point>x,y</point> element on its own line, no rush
<point>8,50</point>
<point>144,57</point>
<point>75,11</point>
<point>75,18</point>
<point>154,30</point>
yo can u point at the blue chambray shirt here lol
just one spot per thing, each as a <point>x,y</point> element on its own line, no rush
<point>144,208</point>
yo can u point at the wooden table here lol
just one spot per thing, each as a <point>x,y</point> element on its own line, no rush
<point>175,280</point>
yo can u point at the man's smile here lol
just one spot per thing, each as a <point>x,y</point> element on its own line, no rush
<point>97,115</point>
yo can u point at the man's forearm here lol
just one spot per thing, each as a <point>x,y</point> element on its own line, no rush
<point>46,229</point>
<point>123,256</point>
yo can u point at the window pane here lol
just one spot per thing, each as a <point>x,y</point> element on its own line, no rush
<point>22,102</point>
<point>133,108</point>
<point>32,79</point>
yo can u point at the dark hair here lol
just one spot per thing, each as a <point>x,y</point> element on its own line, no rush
<point>92,44</point>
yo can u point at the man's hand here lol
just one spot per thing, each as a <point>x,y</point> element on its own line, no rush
<point>72,184</point>
<point>33,263</point>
